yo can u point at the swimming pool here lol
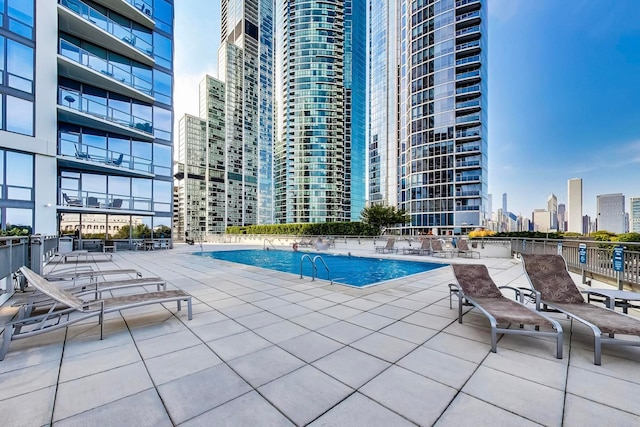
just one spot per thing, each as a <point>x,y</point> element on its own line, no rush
<point>342,268</point>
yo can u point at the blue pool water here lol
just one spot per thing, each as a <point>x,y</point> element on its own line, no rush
<point>348,270</point>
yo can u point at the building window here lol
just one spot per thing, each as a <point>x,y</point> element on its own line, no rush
<point>18,17</point>
<point>16,192</point>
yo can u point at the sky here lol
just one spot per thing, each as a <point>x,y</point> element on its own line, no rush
<point>564,94</point>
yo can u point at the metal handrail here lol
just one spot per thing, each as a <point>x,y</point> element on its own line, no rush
<point>314,268</point>
<point>318,257</point>
<point>264,246</point>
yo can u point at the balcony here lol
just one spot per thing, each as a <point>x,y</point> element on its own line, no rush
<point>468,45</point>
<point>467,89</point>
<point>467,193</point>
<point>468,119</point>
<point>461,3</point>
<point>468,60</point>
<point>467,148</point>
<point>81,20</point>
<point>475,15</point>
<point>140,11</point>
<point>72,200</point>
<point>79,64</point>
<point>468,163</point>
<point>468,133</point>
<point>73,107</point>
<point>473,103</point>
<point>468,75</point>
<point>473,30</point>
<point>467,178</point>
<point>74,154</point>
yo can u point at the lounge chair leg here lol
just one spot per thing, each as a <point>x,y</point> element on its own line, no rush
<point>494,339</point>
<point>179,305</point>
<point>6,340</point>
<point>597,347</point>
<point>559,344</point>
<point>189,309</point>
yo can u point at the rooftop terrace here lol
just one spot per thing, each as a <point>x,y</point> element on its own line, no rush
<point>269,348</point>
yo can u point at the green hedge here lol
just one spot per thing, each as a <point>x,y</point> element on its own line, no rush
<point>307,229</point>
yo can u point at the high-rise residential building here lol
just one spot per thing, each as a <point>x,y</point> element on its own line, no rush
<point>552,207</point>
<point>562,226</point>
<point>204,197</point>
<point>384,115</point>
<point>321,99</point>
<point>428,78</point>
<point>490,204</point>
<point>634,214</point>
<point>245,65</point>
<point>103,92</point>
<point>574,206</point>
<point>611,213</point>
<point>504,202</point>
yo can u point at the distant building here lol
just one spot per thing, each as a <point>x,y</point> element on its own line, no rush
<point>204,194</point>
<point>562,224</point>
<point>611,213</point>
<point>634,214</point>
<point>490,205</point>
<point>504,202</point>
<point>587,225</point>
<point>574,206</point>
<point>541,219</point>
<point>552,207</point>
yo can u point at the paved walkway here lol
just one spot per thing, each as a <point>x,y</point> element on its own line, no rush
<point>269,349</point>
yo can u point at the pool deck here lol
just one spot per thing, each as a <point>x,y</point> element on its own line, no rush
<point>266,348</point>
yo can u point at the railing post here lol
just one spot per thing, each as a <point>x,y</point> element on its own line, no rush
<point>36,255</point>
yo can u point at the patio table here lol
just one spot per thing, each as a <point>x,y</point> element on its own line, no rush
<point>614,297</point>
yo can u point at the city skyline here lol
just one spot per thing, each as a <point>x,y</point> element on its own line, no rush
<point>556,124</point>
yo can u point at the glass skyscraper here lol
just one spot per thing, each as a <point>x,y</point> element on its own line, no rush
<point>93,132</point>
<point>321,99</point>
<point>245,64</point>
<point>432,160</point>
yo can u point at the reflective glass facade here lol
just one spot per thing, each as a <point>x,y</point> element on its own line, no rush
<point>245,64</point>
<point>320,92</point>
<point>442,134</point>
<point>115,119</point>
<point>201,183</point>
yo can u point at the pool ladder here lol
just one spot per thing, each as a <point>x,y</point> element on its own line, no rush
<point>314,266</point>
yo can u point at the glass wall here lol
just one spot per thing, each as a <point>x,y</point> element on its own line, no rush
<point>16,192</point>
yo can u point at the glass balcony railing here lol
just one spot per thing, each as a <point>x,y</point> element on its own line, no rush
<point>467,148</point>
<point>75,100</point>
<point>473,29</point>
<point>468,104</point>
<point>474,73</point>
<point>467,193</point>
<point>468,119</point>
<point>468,133</point>
<point>467,163</point>
<point>110,26</point>
<point>78,150</point>
<point>467,60</point>
<point>467,89</point>
<point>89,199</point>
<point>463,2</point>
<point>108,68</point>
<point>468,178</point>
<point>143,6</point>
<point>467,208</point>
<point>474,14</point>
<point>468,45</point>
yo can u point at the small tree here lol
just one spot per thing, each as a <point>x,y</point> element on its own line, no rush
<point>380,217</point>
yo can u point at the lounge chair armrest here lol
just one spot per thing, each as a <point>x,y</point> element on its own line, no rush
<point>516,291</point>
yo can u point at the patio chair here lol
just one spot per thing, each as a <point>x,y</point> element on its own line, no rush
<point>115,204</point>
<point>464,250</point>
<point>425,248</point>
<point>476,287</point>
<point>389,247</point>
<point>115,162</point>
<point>92,202</point>
<point>74,309</point>
<point>437,249</point>
<point>71,202</point>
<point>553,287</point>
